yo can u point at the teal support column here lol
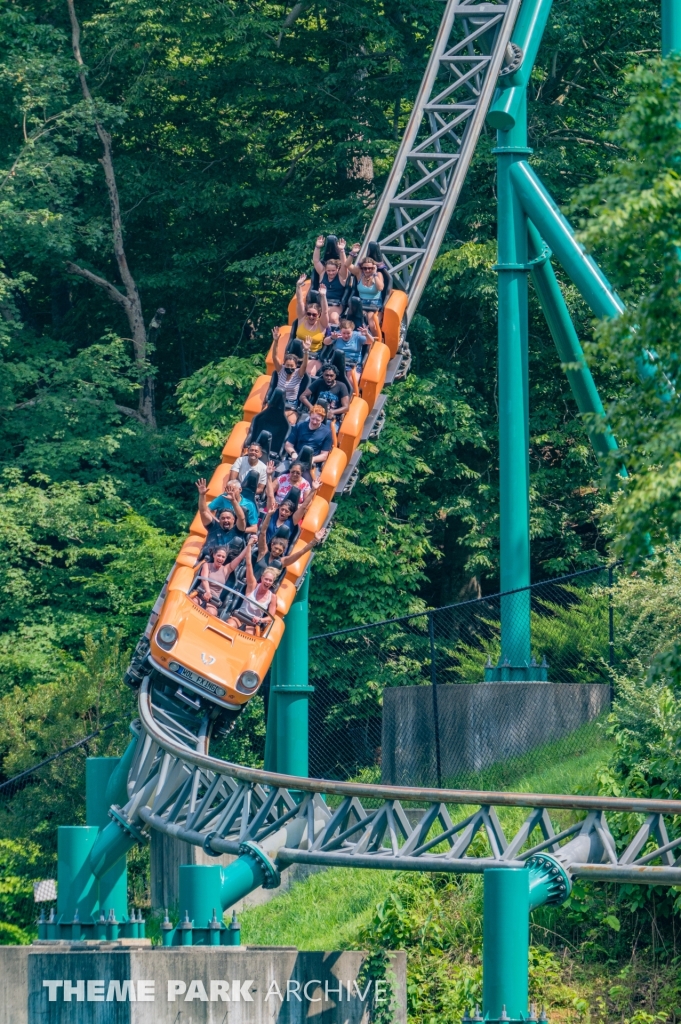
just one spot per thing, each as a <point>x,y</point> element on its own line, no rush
<point>555,229</point>
<point>77,889</point>
<point>242,877</point>
<point>567,343</point>
<point>200,893</point>
<point>117,836</point>
<point>508,105</point>
<point>291,691</point>
<point>271,726</point>
<point>671,26</point>
<point>514,468</point>
<point>505,943</point>
<point>104,785</point>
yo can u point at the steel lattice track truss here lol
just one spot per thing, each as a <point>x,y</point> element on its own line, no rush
<point>176,788</point>
<point>470,51</point>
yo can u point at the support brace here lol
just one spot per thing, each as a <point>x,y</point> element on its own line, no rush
<point>554,228</point>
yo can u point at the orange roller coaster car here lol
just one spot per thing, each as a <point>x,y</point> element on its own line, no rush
<point>198,658</point>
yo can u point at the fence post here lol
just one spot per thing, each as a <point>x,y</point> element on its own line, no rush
<point>433,687</point>
<point>611,632</point>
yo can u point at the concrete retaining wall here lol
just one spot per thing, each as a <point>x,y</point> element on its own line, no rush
<point>480,724</point>
<point>189,986</point>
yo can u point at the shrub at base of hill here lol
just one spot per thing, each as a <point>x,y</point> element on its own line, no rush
<point>437,920</point>
<point>20,864</point>
<point>36,723</point>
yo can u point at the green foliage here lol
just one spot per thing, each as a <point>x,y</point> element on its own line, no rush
<point>41,720</point>
<point>634,221</point>
<point>74,559</point>
<point>18,865</point>
<point>212,399</point>
<point>245,743</point>
<point>12,935</point>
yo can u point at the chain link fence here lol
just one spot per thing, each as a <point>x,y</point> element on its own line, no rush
<point>401,701</point>
<point>33,802</point>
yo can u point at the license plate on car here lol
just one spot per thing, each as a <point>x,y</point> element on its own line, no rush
<point>198,680</point>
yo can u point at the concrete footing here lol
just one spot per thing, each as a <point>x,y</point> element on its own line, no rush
<point>63,984</point>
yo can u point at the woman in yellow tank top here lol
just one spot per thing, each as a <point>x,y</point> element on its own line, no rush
<point>313,319</point>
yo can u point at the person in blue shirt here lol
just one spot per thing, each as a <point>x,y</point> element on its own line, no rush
<point>354,344</point>
<point>313,433</point>
<point>232,495</point>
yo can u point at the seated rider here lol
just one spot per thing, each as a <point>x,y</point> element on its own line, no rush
<point>223,528</point>
<point>213,577</point>
<point>313,433</point>
<point>370,285</point>
<point>260,601</point>
<point>232,493</point>
<point>333,273</point>
<point>289,374</point>
<point>312,321</point>
<point>245,463</point>
<point>329,389</point>
<point>275,555</point>
<point>289,514</point>
<point>284,483</point>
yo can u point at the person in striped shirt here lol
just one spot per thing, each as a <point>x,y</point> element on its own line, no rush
<point>289,375</point>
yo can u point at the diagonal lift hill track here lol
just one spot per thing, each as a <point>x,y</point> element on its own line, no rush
<point>195,673</point>
<point>209,665</point>
<point>273,820</point>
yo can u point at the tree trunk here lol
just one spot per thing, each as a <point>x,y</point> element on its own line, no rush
<point>130,300</point>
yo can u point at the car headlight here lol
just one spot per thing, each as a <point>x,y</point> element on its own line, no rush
<point>248,681</point>
<point>166,637</point>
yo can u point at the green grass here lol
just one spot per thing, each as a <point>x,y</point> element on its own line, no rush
<point>329,909</point>
<point>562,766</point>
<point>326,911</point>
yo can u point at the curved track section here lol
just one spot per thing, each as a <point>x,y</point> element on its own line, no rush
<point>176,787</point>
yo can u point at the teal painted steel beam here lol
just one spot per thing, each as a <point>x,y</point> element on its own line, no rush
<point>671,26</point>
<point>507,105</point>
<point>509,894</point>
<point>103,777</point>
<point>112,843</point>
<point>117,787</point>
<point>291,691</point>
<point>505,943</point>
<point>200,893</point>
<point>555,229</point>
<point>77,888</point>
<point>251,871</point>
<point>567,343</point>
<point>513,378</point>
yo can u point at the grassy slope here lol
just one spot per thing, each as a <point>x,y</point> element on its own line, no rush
<point>329,909</point>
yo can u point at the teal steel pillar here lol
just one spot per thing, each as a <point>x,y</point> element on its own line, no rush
<point>567,343</point>
<point>505,943</point>
<point>590,280</point>
<point>291,691</point>
<point>671,26</point>
<point>508,106</point>
<point>271,726</point>
<point>200,893</point>
<point>77,889</point>
<point>513,383</point>
<point>102,788</point>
